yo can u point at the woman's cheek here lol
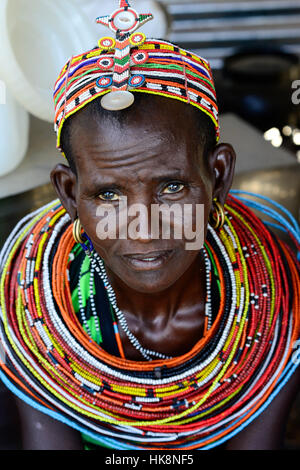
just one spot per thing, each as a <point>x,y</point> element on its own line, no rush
<point>107,222</point>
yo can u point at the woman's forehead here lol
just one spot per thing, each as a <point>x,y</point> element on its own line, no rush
<point>129,152</point>
<point>154,118</point>
<point>155,135</point>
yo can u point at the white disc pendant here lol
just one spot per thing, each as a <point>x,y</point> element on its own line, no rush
<point>125,20</point>
<point>117,100</point>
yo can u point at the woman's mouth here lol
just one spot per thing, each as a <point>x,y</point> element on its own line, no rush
<point>147,261</point>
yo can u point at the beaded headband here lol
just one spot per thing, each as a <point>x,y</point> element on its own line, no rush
<point>131,63</point>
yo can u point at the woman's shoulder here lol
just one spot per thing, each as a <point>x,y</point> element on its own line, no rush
<point>10,436</point>
<point>38,431</point>
<point>268,430</point>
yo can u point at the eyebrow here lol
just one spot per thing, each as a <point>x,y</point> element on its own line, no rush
<point>171,176</point>
<point>96,187</point>
<point>102,185</point>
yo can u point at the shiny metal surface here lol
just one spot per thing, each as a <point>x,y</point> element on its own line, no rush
<point>217,28</point>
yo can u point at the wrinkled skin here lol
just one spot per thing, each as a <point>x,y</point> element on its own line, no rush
<point>163,304</point>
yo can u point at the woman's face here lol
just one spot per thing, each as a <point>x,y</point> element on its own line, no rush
<point>149,159</point>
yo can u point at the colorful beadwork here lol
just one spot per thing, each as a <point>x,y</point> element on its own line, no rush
<point>106,43</point>
<point>164,68</point>
<point>197,400</point>
<point>105,63</point>
<point>104,82</point>
<point>136,80</point>
<point>124,23</point>
<point>139,57</point>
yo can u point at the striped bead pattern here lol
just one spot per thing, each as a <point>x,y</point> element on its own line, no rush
<point>168,71</point>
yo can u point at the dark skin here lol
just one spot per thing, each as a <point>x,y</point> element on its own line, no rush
<point>151,162</point>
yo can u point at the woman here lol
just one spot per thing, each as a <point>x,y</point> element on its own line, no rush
<point>136,342</point>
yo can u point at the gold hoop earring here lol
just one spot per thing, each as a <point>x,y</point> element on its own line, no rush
<point>77,229</point>
<point>218,215</point>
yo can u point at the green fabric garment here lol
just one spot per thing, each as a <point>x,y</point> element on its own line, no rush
<point>92,444</point>
<point>85,291</point>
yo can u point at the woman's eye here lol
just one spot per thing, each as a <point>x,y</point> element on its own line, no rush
<point>108,196</point>
<point>173,188</point>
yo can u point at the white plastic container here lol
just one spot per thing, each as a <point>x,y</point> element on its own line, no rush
<point>38,36</point>
<point>36,39</point>
<point>14,132</point>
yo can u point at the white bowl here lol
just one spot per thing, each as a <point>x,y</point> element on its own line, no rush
<point>36,39</point>
<point>14,131</point>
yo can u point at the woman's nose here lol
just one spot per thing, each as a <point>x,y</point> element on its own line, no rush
<point>139,217</point>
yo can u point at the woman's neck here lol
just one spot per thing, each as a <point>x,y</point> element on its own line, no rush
<point>187,294</point>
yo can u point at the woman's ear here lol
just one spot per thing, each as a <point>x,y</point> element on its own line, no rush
<point>64,182</point>
<point>222,161</point>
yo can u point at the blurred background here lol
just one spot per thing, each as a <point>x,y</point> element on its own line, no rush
<point>253,47</point>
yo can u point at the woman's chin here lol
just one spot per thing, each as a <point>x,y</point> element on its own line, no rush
<point>149,288</point>
<point>150,273</point>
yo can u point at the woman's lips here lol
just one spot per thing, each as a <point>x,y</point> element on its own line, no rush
<point>148,261</point>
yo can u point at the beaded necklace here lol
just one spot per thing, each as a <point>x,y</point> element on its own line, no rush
<point>197,400</point>
<point>97,265</point>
